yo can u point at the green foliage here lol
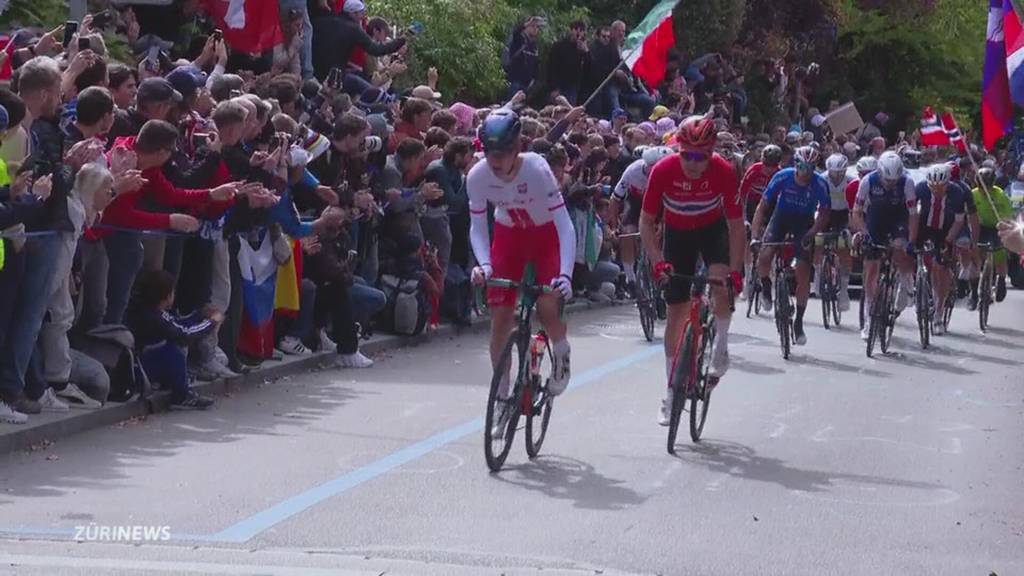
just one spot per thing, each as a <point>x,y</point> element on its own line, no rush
<point>704,26</point>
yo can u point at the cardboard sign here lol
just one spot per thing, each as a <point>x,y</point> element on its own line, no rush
<point>845,119</point>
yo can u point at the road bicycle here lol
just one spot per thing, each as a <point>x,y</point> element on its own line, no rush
<point>784,305</point>
<point>882,319</point>
<point>646,292</point>
<point>828,291</point>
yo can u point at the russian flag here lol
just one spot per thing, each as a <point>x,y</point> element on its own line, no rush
<point>647,47</point>
<point>259,284</point>
<point>1013,30</point>
<point>996,106</point>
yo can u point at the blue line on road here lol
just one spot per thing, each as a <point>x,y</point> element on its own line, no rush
<point>254,525</point>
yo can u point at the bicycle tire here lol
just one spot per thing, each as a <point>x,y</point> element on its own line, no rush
<point>782,315</point>
<point>826,290</point>
<point>923,300</point>
<point>702,393</point>
<point>888,317</point>
<point>645,300</point>
<point>541,408</point>
<point>860,304</point>
<point>515,348</point>
<point>985,294</point>
<point>873,320</point>
<point>680,381</point>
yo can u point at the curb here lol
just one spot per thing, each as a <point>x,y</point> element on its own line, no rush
<point>48,428</point>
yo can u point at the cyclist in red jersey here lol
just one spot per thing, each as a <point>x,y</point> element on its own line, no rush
<point>697,194</point>
<point>755,180</point>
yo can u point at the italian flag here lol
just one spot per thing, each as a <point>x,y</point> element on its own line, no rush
<point>646,49</point>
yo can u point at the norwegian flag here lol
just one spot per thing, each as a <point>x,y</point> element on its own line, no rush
<point>953,132</point>
<point>932,132</point>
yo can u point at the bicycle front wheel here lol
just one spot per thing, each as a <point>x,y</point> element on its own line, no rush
<point>783,315</point>
<point>682,374</point>
<point>538,411</point>
<point>888,319</point>
<point>645,300</point>
<point>827,290</point>
<point>924,308</point>
<point>503,407</point>
<point>985,295</point>
<point>702,387</point>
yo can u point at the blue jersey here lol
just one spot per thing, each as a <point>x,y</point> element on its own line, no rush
<point>957,204</point>
<point>790,197</point>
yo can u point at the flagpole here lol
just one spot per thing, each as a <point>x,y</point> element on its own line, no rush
<point>601,86</point>
<point>981,183</point>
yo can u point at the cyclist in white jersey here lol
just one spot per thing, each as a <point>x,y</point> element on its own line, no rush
<point>630,192</point>
<point>839,222</point>
<point>531,226</point>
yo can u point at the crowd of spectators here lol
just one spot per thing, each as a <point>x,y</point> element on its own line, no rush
<point>196,207</point>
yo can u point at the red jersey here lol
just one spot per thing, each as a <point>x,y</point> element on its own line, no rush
<point>691,204</point>
<point>754,182</point>
<point>851,192</point>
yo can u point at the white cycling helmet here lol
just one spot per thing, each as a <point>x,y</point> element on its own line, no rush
<point>890,166</point>
<point>654,154</point>
<point>836,163</point>
<point>867,164</point>
<point>806,154</point>
<point>940,173</point>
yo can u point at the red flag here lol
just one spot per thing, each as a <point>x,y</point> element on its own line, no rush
<point>647,47</point>
<point>932,132</point>
<point>953,131</point>
<point>250,26</point>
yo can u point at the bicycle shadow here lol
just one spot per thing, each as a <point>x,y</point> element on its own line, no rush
<point>928,362</point>
<point>837,366</point>
<point>741,364</point>
<point>738,460</point>
<point>984,339</point>
<point>949,351</point>
<point>1006,331</point>
<point>571,479</point>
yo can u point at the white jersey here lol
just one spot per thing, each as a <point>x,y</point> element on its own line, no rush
<point>528,201</point>
<point>633,182</point>
<point>838,192</point>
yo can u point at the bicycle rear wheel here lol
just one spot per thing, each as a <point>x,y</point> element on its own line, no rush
<point>512,363</point>
<point>783,315</point>
<point>702,387</point>
<point>645,300</point>
<point>827,290</point>
<point>682,372</point>
<point>985,294</point>
<point>538,412</point>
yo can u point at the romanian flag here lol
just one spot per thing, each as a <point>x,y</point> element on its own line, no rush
<point>646,49</point>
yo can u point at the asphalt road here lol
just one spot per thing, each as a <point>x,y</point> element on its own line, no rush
<point>829,463</point>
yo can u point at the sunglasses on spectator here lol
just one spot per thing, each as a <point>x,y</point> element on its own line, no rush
<point>695,157</point>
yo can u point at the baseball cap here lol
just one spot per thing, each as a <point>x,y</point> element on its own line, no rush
<point>354,6</point>
<point>157,90</point>
<point>659,113</point>
<point>187,80</point>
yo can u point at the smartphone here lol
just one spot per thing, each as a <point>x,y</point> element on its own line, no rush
<point>334,78</point>
<point>70,29</point>
<point>199,140</point>
<point>218,35</point>
<point>84,44</point>
<point>152,59</point>
<point>102,19</point>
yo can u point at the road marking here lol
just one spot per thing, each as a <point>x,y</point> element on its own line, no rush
<point>258,523</point>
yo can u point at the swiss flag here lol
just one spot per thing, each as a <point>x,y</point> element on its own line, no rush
<point>250,26</point>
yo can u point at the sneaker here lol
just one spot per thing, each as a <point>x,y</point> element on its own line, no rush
<point>801,337</point>
<point>326,344</point>
<point>560,372</point>
<point>356,360</point>
<point>74,397</point>
<point>1001,289</point>
<point>22,404</point>
<point>665,412</point>
<point>9,415</point>
<point>50,403</point>
<point>502,412</point>
<point>719,362</point>
<point>865,331</point>
<point>292,346</point>
<point>192,401</point>
<point>844,300</point>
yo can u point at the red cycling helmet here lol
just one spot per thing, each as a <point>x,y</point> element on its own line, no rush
<point>698,134</point>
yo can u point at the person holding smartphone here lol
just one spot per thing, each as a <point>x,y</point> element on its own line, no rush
<point>335,38</point>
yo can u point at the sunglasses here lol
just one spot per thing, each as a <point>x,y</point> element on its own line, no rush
<point>695,157</point>
<point>804,167</point>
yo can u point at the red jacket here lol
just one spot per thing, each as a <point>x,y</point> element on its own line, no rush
<point>124,211</point>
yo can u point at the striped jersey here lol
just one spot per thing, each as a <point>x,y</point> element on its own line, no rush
<point>687,203</point>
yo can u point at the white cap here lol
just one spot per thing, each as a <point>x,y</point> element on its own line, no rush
<point>354,6</point>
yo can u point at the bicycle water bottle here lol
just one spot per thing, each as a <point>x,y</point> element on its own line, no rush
<point>538,344</point>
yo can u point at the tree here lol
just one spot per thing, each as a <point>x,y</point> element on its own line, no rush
<point>704,26</point>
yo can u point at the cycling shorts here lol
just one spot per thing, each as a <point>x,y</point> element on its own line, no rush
<point>838,220</point>
<point>682,249</point>
<point>790,227</point>
<point>512,249</point>
<point>896,235</point>
<point>633,205</point>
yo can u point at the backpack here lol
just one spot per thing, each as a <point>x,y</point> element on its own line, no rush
<point>408,306</point>
<point>113,346</point>
<point>457,302</point>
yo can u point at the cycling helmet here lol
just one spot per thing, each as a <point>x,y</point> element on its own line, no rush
<point>697,133</point>
<point>866,165</point>
<point>500,131</point>
<point>805,155</point>
<point>638,152</point>
<point>771,155</point>
<point>939,174</point>
<point>652,155</point>
<point>836,163</point>
<point>987,176</point>
<point>890,166</point>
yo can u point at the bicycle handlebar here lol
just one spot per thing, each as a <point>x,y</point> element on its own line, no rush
<point>513,285</point>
